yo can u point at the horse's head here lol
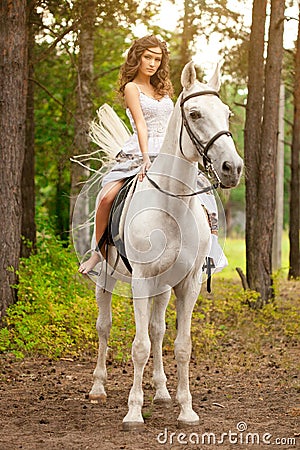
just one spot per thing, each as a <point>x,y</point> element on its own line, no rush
<point>205,135</point>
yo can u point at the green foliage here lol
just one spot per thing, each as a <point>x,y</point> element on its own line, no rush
<point>123,327</point>
<point>56,312</point>
<point>54,136</point>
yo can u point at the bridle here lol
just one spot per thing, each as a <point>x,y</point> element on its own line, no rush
<point>200,147</point>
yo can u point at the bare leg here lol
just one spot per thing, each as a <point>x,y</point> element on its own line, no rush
<point>103,327</point>
<point>186,294</point>
<point>107,197</point>
<point>157,332</point>
<point>140,354</point>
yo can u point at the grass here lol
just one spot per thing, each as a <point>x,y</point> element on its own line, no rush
<point>235,250</point>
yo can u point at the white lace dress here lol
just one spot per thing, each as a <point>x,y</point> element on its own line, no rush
<point>156,114</point>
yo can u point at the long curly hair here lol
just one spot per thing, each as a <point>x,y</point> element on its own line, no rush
<point>160,80</point>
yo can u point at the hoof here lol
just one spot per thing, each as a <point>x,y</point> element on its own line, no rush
<point>133,426</point>
<point>187,424</point>
<point>97,398</point>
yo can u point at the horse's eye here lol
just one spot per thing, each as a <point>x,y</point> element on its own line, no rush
<point>194,115</point>
<point>230,114</point>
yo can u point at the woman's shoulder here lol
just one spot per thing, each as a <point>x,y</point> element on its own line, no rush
<point>131,87</point>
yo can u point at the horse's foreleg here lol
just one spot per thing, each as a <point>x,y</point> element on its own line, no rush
<point>183,346</point>
<point>157,332</point>
<point>140,354</point>
<point>103,326</point>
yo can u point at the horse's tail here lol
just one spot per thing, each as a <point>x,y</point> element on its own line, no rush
<point>108,131</point>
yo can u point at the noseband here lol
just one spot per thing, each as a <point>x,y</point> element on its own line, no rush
<point>201,148</point>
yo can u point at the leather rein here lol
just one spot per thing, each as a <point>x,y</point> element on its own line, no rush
<point>200,147</point>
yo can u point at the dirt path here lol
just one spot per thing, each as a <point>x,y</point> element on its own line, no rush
<point>44,405</point>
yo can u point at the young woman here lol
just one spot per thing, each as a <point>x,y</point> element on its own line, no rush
<point>147,90</point>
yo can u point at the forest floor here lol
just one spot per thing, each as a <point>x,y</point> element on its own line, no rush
<point>44,403</point>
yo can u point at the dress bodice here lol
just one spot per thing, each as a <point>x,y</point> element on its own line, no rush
<point>156,113</point>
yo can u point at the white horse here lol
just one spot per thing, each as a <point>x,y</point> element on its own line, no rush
<point>167,237</point>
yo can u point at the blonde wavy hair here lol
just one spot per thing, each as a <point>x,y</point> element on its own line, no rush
<point>160,80</point>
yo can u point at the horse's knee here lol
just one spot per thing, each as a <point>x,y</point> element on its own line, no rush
<point>183,351</point>
<point>103,327</point>
<point>141,350</point>
<point>157,330</point>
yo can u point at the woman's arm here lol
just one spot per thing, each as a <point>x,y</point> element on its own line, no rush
<point>132,100</point>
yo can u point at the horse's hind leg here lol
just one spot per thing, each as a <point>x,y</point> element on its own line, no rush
<point>186,299</point>
<point>157,332</point>
<point>103,326</point>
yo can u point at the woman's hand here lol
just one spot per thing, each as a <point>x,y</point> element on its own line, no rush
<point>145,166</point>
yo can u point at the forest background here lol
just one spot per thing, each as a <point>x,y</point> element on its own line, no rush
<point>58,89</point>
<point>74,50</point>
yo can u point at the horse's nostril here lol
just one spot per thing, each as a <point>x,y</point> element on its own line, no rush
<point>239,169</point>
<point>227,167</point>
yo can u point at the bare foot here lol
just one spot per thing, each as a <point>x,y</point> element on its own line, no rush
<point>88,265</point>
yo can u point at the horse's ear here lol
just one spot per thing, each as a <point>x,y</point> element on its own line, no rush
<point>215,81</point>
<point>188,75</point>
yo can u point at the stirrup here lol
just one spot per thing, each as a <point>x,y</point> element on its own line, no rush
<point>208,265</point>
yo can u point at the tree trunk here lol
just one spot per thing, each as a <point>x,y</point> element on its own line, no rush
<point>268,152</point>
<point>187,33</point>
<point>261,146</point>
<point>28,229</point>
<point>13,92</point>
<point>83,116</point>
<point>184,40</point>
<point>294,257</point>
<point>252,135</point>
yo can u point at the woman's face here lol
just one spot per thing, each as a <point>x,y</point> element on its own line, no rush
<point>150,61</point>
